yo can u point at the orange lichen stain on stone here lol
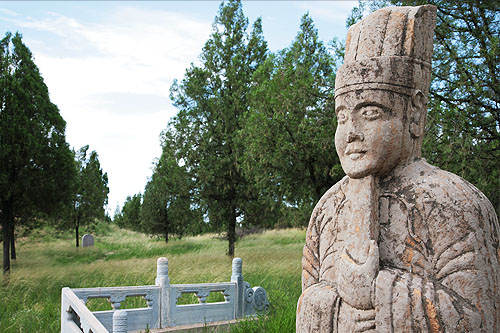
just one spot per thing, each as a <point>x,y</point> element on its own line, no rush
<point>410,241</point>
<point>357,229</point>
<point>433,316</point>
<point>416,297</point>
<point>419,190</point>
<point>330,288</point>
<point>345,256</point>
<point>299,303</point>
<point>308,267</point>
<point>478,305</point>
<point>408,256</point>
<point>409,43</point>
<point>347,43</point>
<point>420,262</point>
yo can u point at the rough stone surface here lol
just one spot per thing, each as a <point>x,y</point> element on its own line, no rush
<point>398,245</point>
<point>87,240</point>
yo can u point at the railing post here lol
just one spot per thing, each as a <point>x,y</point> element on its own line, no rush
<point>163,281</point>
<point>237,276</point>
<point>120,321</point>
<point>64,309</point>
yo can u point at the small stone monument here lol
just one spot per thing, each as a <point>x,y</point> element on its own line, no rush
<point>87,240</point>
<point>398,245</point>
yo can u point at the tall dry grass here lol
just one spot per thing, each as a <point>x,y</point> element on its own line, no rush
<point>48,261</point>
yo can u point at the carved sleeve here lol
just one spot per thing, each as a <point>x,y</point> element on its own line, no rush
<point>451,286</point>
<point>310,256</point>
<point>407,302</point>
<point>319,302</point>
<point>321,236</point>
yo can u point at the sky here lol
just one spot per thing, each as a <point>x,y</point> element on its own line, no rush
<point>109,66</point>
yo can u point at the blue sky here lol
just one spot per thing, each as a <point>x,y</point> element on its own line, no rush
<point>109,66</point>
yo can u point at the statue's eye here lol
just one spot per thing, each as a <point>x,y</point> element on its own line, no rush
<point>372,112</point>
<point>341,117</point>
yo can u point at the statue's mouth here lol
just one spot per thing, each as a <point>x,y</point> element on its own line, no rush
<point>355,154</point>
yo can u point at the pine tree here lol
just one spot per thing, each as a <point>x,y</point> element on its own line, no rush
<point>211,100</point>
<point>36,164</point>
<point>130,215</point>
<point>168,206</point>
<point>90,191</point>
<point>289,130</point>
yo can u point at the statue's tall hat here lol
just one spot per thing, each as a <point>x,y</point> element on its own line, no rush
<point>391,49</point>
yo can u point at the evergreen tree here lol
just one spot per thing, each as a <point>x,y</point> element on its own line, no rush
<point>289,130</point>
<point>130,215</point>
<point>91,191</point>
<point>168,206</point>
<point>211,100</point>
<point>36,164</point>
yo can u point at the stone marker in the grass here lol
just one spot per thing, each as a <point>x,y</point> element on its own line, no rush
<point>398,245</point>
<point>87,240</point>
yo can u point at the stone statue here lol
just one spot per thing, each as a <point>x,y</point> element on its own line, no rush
<point>398,245</point>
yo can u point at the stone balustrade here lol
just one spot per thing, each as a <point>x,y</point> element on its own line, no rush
<point>163,310</point>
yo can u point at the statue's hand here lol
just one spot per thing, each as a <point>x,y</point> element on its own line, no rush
<point>356,281</point>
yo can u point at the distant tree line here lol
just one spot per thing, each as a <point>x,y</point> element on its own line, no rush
<point>41,178</point>
<point>253,141</point>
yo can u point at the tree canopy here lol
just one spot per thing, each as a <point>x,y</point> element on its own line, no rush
<point>290,126</point>
<point>36,164</point>
<point>90,190</point>
<point>129,216</point>
<point>168,205</point>
<point>211,100</point>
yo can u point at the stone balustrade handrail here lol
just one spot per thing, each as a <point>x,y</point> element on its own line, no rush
<point>162,308</point>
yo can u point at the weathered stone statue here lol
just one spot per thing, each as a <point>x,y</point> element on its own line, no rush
<point>397,245</point>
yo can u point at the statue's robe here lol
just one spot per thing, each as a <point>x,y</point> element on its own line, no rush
<point>439,258</point>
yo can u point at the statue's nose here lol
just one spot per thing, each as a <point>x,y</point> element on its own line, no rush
<point>351,136</point>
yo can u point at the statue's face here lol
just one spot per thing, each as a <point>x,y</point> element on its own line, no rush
<point>371,137</point>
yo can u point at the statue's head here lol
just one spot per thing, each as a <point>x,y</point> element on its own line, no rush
<point>381,90</point>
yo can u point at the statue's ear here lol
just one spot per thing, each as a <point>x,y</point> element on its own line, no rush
<point>417,114</point>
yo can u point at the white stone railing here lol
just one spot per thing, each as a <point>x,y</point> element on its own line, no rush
<point>162,308</point>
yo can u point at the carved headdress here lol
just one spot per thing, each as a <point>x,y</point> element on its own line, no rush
<point>390,49</point>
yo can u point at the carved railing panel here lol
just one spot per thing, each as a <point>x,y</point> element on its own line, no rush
<point>202,312</point>
<point>162,308</point>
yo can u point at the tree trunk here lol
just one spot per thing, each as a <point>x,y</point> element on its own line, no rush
<point>6,246</point>
<point>77,224</point>
<point>314,181</point>
<point>231,231</point>
<point>12,243</point>
<point>7,220</point>
<point>166,225</point>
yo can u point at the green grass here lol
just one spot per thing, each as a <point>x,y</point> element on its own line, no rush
<point>48,261</point>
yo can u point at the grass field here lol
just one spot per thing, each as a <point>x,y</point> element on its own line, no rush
<point>48,261</point>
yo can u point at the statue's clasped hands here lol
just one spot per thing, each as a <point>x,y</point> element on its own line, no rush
<point>355,280</point>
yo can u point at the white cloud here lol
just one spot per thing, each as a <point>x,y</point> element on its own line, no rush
<point>135,51</point>
<point>8,12</point>
<point>132,51</point>
<point>54,23</point>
